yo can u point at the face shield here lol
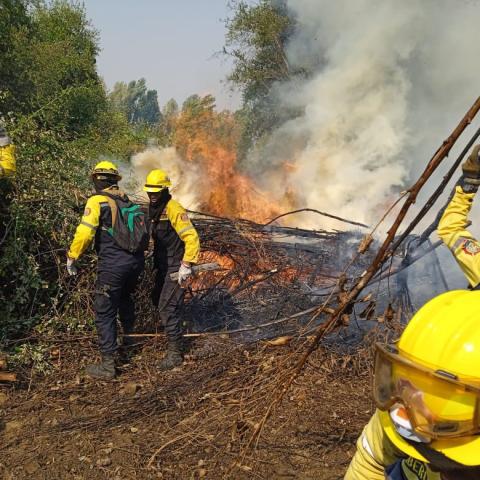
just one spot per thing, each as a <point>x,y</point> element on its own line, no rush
<point>436,402</point>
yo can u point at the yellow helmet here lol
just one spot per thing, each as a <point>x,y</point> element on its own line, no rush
<point>106,168</point>
<point>156,181</point>
<point>432,377</point>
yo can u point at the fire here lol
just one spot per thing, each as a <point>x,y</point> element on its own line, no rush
<point>209,141</point>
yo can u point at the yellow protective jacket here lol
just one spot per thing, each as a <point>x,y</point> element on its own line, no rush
<point>376,455</point>
<point>174,236</point>
<point>452,229</point>
<point>7,161</point>
<point>87,228</point>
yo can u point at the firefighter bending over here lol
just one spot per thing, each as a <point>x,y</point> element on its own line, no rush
<point>427,392</point>
<point>176,248</point>
<point>119,229</point>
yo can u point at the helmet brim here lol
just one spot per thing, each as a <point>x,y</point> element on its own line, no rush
<point>463,450</point>
<point>117,176</point>
<point>153,189</point>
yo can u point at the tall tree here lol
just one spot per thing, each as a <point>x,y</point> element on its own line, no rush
<point>139,104</point>
<point>49,66</point>
<point>256,39</point>
<point>15,36</point>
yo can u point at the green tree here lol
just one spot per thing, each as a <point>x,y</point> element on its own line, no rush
<point>15,35</point>
<point>166,128</point>
<point>139,104</point>
<point>256,39</point>
<point>49,68</point>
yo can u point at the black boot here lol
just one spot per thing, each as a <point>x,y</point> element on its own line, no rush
<point>105,370</point>
<point>174,356</point>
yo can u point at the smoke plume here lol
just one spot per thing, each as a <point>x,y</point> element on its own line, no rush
<point>183,176</point>
<point>391,80</point>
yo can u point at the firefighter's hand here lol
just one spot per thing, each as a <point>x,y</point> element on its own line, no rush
<point>184,272</point>
<point>71,268</point>
<point>471,167</point>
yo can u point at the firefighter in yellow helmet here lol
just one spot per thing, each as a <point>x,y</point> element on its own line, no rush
<point>176,248</point>
<point>119,230</point>
<point>427,392</point>
<point>452,227</point>
<point>8,164</point>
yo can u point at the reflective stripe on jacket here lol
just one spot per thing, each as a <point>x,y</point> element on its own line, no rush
<point>377,458</point>
<point>452,229</point>
<point>96,221</point>
<point>7,160</point>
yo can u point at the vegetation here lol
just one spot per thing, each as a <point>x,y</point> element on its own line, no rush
<point>55,108</point>
<point>256,39</point>
<point>137,103</point>
<point>59,114</point>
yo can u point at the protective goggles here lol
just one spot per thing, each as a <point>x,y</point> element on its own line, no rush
<point>438,405</point>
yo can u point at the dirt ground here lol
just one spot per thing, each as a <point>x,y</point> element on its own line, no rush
<point>193,422</point>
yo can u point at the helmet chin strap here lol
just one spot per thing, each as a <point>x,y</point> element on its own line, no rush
<point>437,460</point>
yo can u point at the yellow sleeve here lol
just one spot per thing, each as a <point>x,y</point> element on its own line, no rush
<point>7,160</point>
<point>178,217</point>
<point>374,453</point>
<point>87,228</point>
<point>452,229</point>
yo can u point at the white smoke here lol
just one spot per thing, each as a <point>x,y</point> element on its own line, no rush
<point>392,80</point>
<point>184,175</point>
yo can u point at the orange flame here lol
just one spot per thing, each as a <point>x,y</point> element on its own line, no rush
<point>210,140</point>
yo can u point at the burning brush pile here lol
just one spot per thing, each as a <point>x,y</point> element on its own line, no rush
<point>273,386</point>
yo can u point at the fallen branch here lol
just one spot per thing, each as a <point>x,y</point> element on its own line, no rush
<point>8,377</point>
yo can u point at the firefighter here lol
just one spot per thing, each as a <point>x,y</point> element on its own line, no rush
<point>118,269</point>
<point>176,248</point>
<point>7,155</point>
<point>7,173</point>
<point>452,227</point>
<point>427,392</point>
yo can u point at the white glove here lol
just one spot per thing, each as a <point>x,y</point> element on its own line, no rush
<point>184,272</point>
<point>71,268</point>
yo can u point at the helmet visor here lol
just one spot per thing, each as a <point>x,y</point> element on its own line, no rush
<point>437,403</point>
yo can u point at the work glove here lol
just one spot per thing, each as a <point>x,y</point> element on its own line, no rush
<point>470,180</point>
<point>184,272</point>
<point>71,268</point>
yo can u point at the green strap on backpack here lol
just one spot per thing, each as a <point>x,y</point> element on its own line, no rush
<point>129,225</point>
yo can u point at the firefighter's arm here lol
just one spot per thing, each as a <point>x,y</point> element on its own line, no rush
<point>374,453</point>
<point>85,232</point>
<point>452,229</point>
<point>185,230</point>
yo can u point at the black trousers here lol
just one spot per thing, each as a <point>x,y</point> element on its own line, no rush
<point>113,298</point>
<point>168,296</point>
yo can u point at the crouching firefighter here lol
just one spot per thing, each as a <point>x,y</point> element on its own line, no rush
<point>427,392</point>
<point>120,230</point>
<point>176,248</point>
<point>452,228</point>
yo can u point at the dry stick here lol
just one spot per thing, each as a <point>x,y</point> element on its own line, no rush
<point>238,330</point>
<point>379,259</point>
<point>329,215</point>
<point>401,268</point>
<point>8,377</point>
<point>428,205</point>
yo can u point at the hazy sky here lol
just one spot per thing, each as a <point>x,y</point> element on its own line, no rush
<point>171,43</point>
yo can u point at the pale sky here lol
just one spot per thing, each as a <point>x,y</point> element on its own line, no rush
<point>171,43</point>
